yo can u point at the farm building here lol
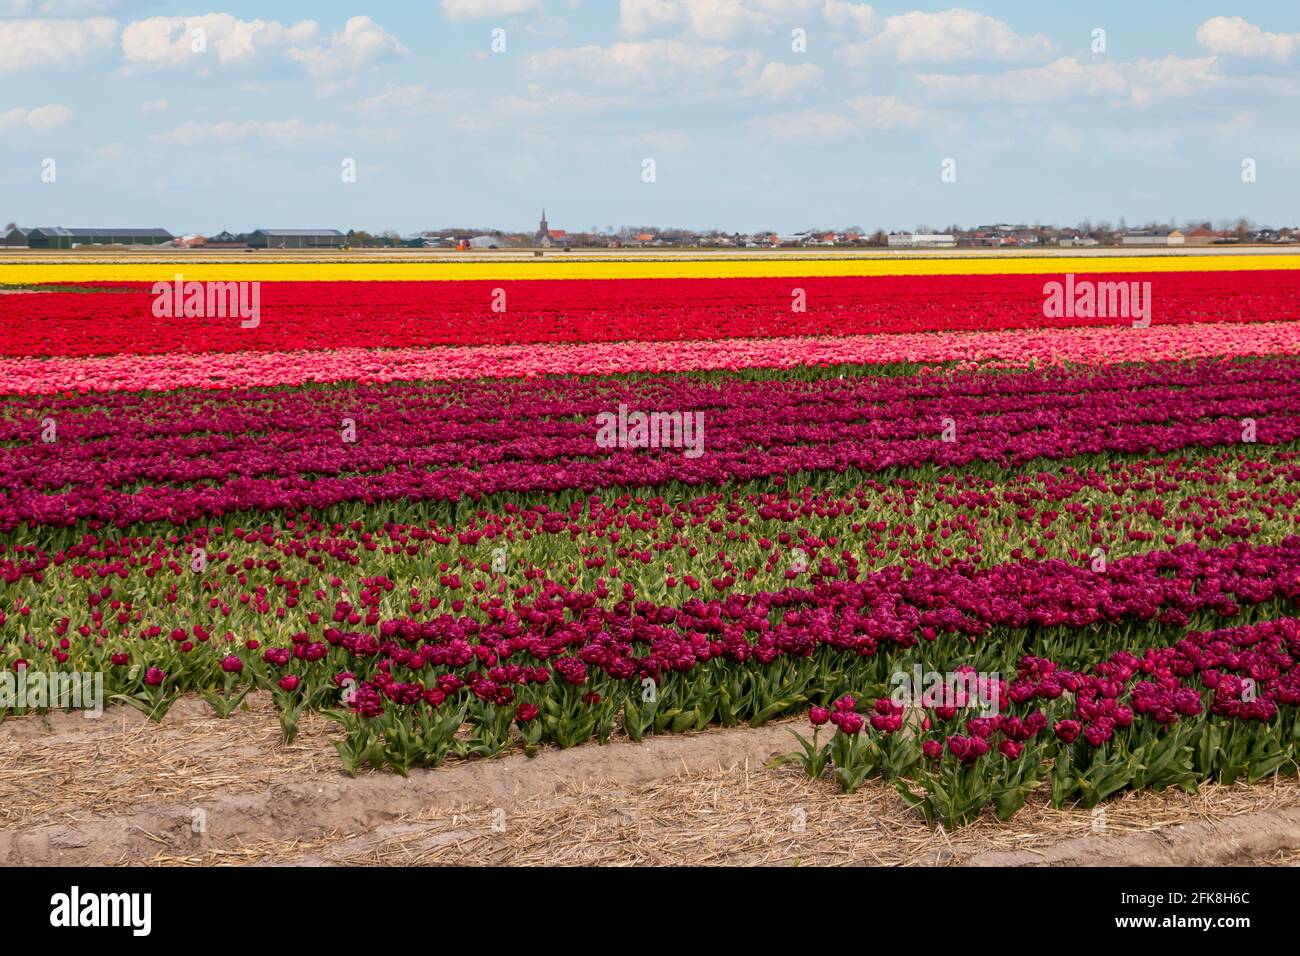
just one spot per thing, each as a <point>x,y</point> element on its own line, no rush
<point>921,240</point>
<point>57,237</point>
<point>14,236</point>
<point>296,239</point>
<point>1201,236</point>
<point>1153,237</point>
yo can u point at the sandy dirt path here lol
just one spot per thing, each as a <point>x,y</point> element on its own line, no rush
<point>196,790</point>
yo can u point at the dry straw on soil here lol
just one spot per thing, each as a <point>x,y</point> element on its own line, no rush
<point>114,790</point>
<point>748,816</point>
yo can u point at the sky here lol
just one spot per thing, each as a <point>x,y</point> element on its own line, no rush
<point>732,114</point>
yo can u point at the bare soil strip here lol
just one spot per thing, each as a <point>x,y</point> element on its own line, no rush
<point>196,790</point>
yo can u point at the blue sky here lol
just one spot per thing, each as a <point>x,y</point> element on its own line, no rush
<point>745,130</point>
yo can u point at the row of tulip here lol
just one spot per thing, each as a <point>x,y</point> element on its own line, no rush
<point>741,264</point>
<point>1083,711</point>
<point>740,657</point>
<point>129,458</point>
<point>115,318</point>
<point>1017,348</point>
<point>273,577</point>
<point>1220,705</point>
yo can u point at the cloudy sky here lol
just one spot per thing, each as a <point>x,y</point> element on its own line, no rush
<point>782,114</point>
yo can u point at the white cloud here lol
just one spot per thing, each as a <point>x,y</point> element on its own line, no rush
<point>169,41</point>
<point>645,63</point>
<point>38,43</point>
<point>480,9</point>
<point>49,117</point>
<point>107,154</point>
<point>361,41</point>
<point>286,133</point>
<point>410,99</point>
<point>55,8</point>
<point>1140,83</point>
<point>1170,76</point>
<point>474,111</point>
<point>805,126</point>
<point>76,8</point>
<point>712,20</point>
<point>887,112</point>
<point>860,114</point>
<point>780,80</point>
<point>154,106</point>
<point>918,37</point>
<point>1237,37</point>
<point>1059,79</point>
<point>859,16</point>
<point>42,119</point>
<point>536,102</point>
<point>661,141</point>
<point>636,17</point>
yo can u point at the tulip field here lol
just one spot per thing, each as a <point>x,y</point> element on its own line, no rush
<point>389,502</point>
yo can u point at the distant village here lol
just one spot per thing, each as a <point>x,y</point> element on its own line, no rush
<point>1001,235</point>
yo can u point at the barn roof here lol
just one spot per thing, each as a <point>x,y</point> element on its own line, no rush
<point>140,233</point>
<point>79,233</point>
<point>299,232</point>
